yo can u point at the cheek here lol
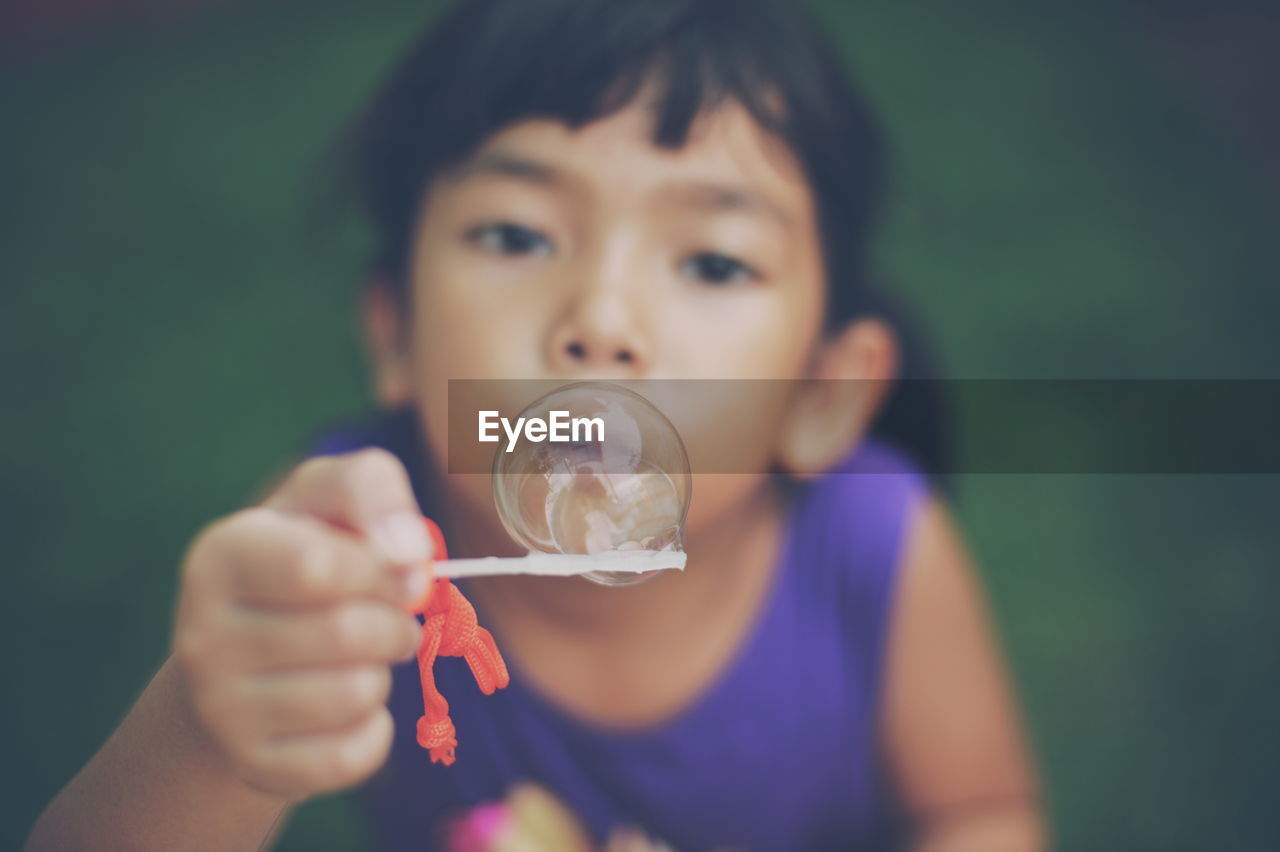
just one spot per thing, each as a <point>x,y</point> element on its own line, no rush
<point>728,425</point>
<point>463,329</point>
<point>749,357</point>
<point>466,324</point>
<point>759,331</point>
<point>456,334</point>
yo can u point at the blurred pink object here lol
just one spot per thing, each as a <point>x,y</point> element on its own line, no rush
<point>480,829</point>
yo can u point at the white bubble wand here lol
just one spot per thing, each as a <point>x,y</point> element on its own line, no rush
<point>565,564</point>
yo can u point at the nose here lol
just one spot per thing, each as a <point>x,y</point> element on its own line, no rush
<point>601,327</point>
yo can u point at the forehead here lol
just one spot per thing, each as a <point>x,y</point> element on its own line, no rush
<point>726,146</point>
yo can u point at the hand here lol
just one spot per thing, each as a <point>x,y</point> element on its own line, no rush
<point>290,615</point>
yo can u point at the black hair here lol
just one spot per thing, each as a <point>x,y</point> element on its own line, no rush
<point>487,64</point>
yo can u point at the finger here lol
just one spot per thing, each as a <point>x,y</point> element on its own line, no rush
<point>278,560</point>
<point>366,492</point>
<point>350,633</point>
<point>316,701</point>
<point>326,762</point>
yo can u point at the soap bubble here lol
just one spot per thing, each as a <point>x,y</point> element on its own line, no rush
<point>629,491</point>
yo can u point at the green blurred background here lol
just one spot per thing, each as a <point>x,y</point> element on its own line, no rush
<point>1080,192</point>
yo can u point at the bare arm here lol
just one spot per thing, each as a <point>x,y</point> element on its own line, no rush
<point>952,731</point>
<point>158,783</point>
<point>289,616</point>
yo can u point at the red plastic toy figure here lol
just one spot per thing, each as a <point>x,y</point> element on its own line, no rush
<point>450,629</point>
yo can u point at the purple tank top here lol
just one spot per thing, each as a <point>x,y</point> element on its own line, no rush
<point>779,752</point>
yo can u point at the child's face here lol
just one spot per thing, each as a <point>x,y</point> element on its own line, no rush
<point>554,254</point>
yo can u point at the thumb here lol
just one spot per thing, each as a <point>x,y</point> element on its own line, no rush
<point>366,493</point>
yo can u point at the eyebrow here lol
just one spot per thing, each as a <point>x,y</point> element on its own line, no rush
<point>506,164</point>
<point>719,197</point>
<point>708,195</point>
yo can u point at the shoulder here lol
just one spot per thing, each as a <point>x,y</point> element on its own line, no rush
<point>850,530</point>
<point>857,516</point>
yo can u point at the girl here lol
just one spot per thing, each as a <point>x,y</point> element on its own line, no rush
<point>570,189</point>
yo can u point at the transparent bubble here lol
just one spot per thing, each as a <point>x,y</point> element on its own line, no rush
<point>629,491</point>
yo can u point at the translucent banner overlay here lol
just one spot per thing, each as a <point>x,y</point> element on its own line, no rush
<point>951,426</point>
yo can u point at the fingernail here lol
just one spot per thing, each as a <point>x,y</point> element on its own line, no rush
<point>416,585</point>
<point>403,538</point>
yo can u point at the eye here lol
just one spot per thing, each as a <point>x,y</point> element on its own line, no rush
<point>716,268</point>
<point>507,238</point>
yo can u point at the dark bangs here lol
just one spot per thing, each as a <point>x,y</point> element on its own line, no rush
<point>488,64</point>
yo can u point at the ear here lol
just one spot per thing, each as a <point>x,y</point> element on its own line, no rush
<point>852,374</point>
<point>386,345</point>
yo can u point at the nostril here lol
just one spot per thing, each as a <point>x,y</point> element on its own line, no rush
<point>577,350</point>
<point>624,356</point>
